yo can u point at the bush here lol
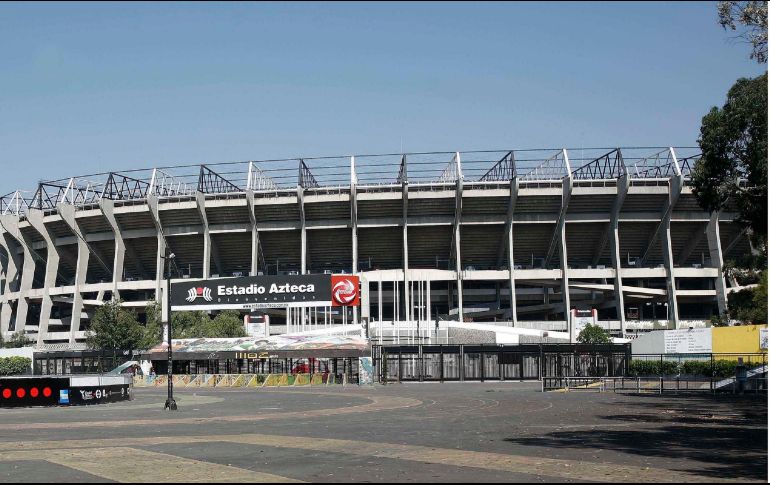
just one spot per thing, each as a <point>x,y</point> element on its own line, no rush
<point>17,341</point>
<point>12,366</point>
<point>648,368</point>
<point>593,334</point>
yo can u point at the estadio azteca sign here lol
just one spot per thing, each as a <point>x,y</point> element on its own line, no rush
<point>255,292</point>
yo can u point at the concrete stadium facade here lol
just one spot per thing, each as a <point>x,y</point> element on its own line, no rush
<point>509,237</point>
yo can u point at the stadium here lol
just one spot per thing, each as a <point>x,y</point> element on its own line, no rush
<point>506,238</point>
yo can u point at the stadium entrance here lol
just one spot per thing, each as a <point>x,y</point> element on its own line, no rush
<point>289,292</point>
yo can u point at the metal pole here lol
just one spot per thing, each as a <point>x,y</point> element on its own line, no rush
<point>170,402</point>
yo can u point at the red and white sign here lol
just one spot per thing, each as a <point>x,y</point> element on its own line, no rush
<point>345,291</point>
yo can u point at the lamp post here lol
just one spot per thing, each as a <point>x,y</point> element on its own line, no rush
<point>170,402</point>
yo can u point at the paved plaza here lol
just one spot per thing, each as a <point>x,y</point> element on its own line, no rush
<point>467,432</point>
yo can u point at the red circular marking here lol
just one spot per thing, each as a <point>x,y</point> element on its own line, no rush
<point>20,392</point>
<point>6,393</point>
<point>47,391</point>
<point>199,290</point>
<point>34,392</point>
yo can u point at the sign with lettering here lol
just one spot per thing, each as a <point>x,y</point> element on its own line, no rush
<point>256,292</point>
<point>691,341</point>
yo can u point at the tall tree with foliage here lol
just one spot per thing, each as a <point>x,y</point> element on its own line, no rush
<point>749,306</point>
<point>593,334</point>
<point>227,324</point>
<point>153,327</point>
<point>733,166</point>
<point>17,341</point>
<point>752,15</point>
<point>114,328</point>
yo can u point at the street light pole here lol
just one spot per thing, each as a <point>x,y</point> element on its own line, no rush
<point>170,402</point>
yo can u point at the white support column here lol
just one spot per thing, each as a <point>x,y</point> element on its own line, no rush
<point>668,259</point>
<point>108,210</point>
<point>715,253</point>
<point>674,191</point>
<point>508,237</point>
<point>200,202</point>
<point>254,231</point>
<point>160,263</point>
<point>562,245</point>
<point>11,281</point>
<point>354,230</point>
<point>35,218</point>
<point>614,237</point>
<point>405,245</point>
<point>512,277</point>
<point>458,255</point>
<point>303,229</point>
<point>565,284</point>
<point>354,213</point>
<point>80,280</point>
<point>11,225</point>
<point>67,213</point>
<point>303,240</point>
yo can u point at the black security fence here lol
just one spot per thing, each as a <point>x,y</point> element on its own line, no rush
<point>440,363</point>
<point>78,362</point>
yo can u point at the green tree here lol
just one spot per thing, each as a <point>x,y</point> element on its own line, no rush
<point>733,165</point>
<point>752,15</point>
<point>198,324</point>
<point>12,366</point>
<point>17,341</point>
<point>114,328</point>
<point>227,324</point>
<point>749,306</point>
<point>189,324</point>
<point>732,173</point>
<point>153,327</point>
<point>593,334</point>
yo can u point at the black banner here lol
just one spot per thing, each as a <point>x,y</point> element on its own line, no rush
<point>252,292</point>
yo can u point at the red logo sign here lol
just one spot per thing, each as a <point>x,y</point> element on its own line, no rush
<point>345,291</point>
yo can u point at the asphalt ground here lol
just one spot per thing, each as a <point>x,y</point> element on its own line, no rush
<point>460,432</point>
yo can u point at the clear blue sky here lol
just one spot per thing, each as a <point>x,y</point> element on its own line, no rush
<point>99,87</point>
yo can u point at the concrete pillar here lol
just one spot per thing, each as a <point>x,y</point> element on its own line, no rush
<point>118,264</point>
<point>303,229</point>
<point>565,283</point>
<point>354,213</point>
<point>715,253</point>
<point>11,225</point>
<point>35,218</point>
<point>160,262</point>
<point>663,234</point>
<point>80,281</point>
<point>512,276</point>
<point>254,233</point>
<point>11,283</point>
<point>354,235</point>
<point>200,200</point>
<point>508,235</point>
<point>458,255</point>
<point>405,246</point>
<point>614,238</point>
<point>668,261</point>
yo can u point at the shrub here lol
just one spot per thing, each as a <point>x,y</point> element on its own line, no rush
<point>593,334</point>
<point>11,366</point>
<point>647,368</point>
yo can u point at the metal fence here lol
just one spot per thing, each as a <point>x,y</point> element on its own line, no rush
<point>661,373</point>
<point>656,385</point>
<point>440,363</point>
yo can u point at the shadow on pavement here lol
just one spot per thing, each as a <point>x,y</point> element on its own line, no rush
<point>728,438</point>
